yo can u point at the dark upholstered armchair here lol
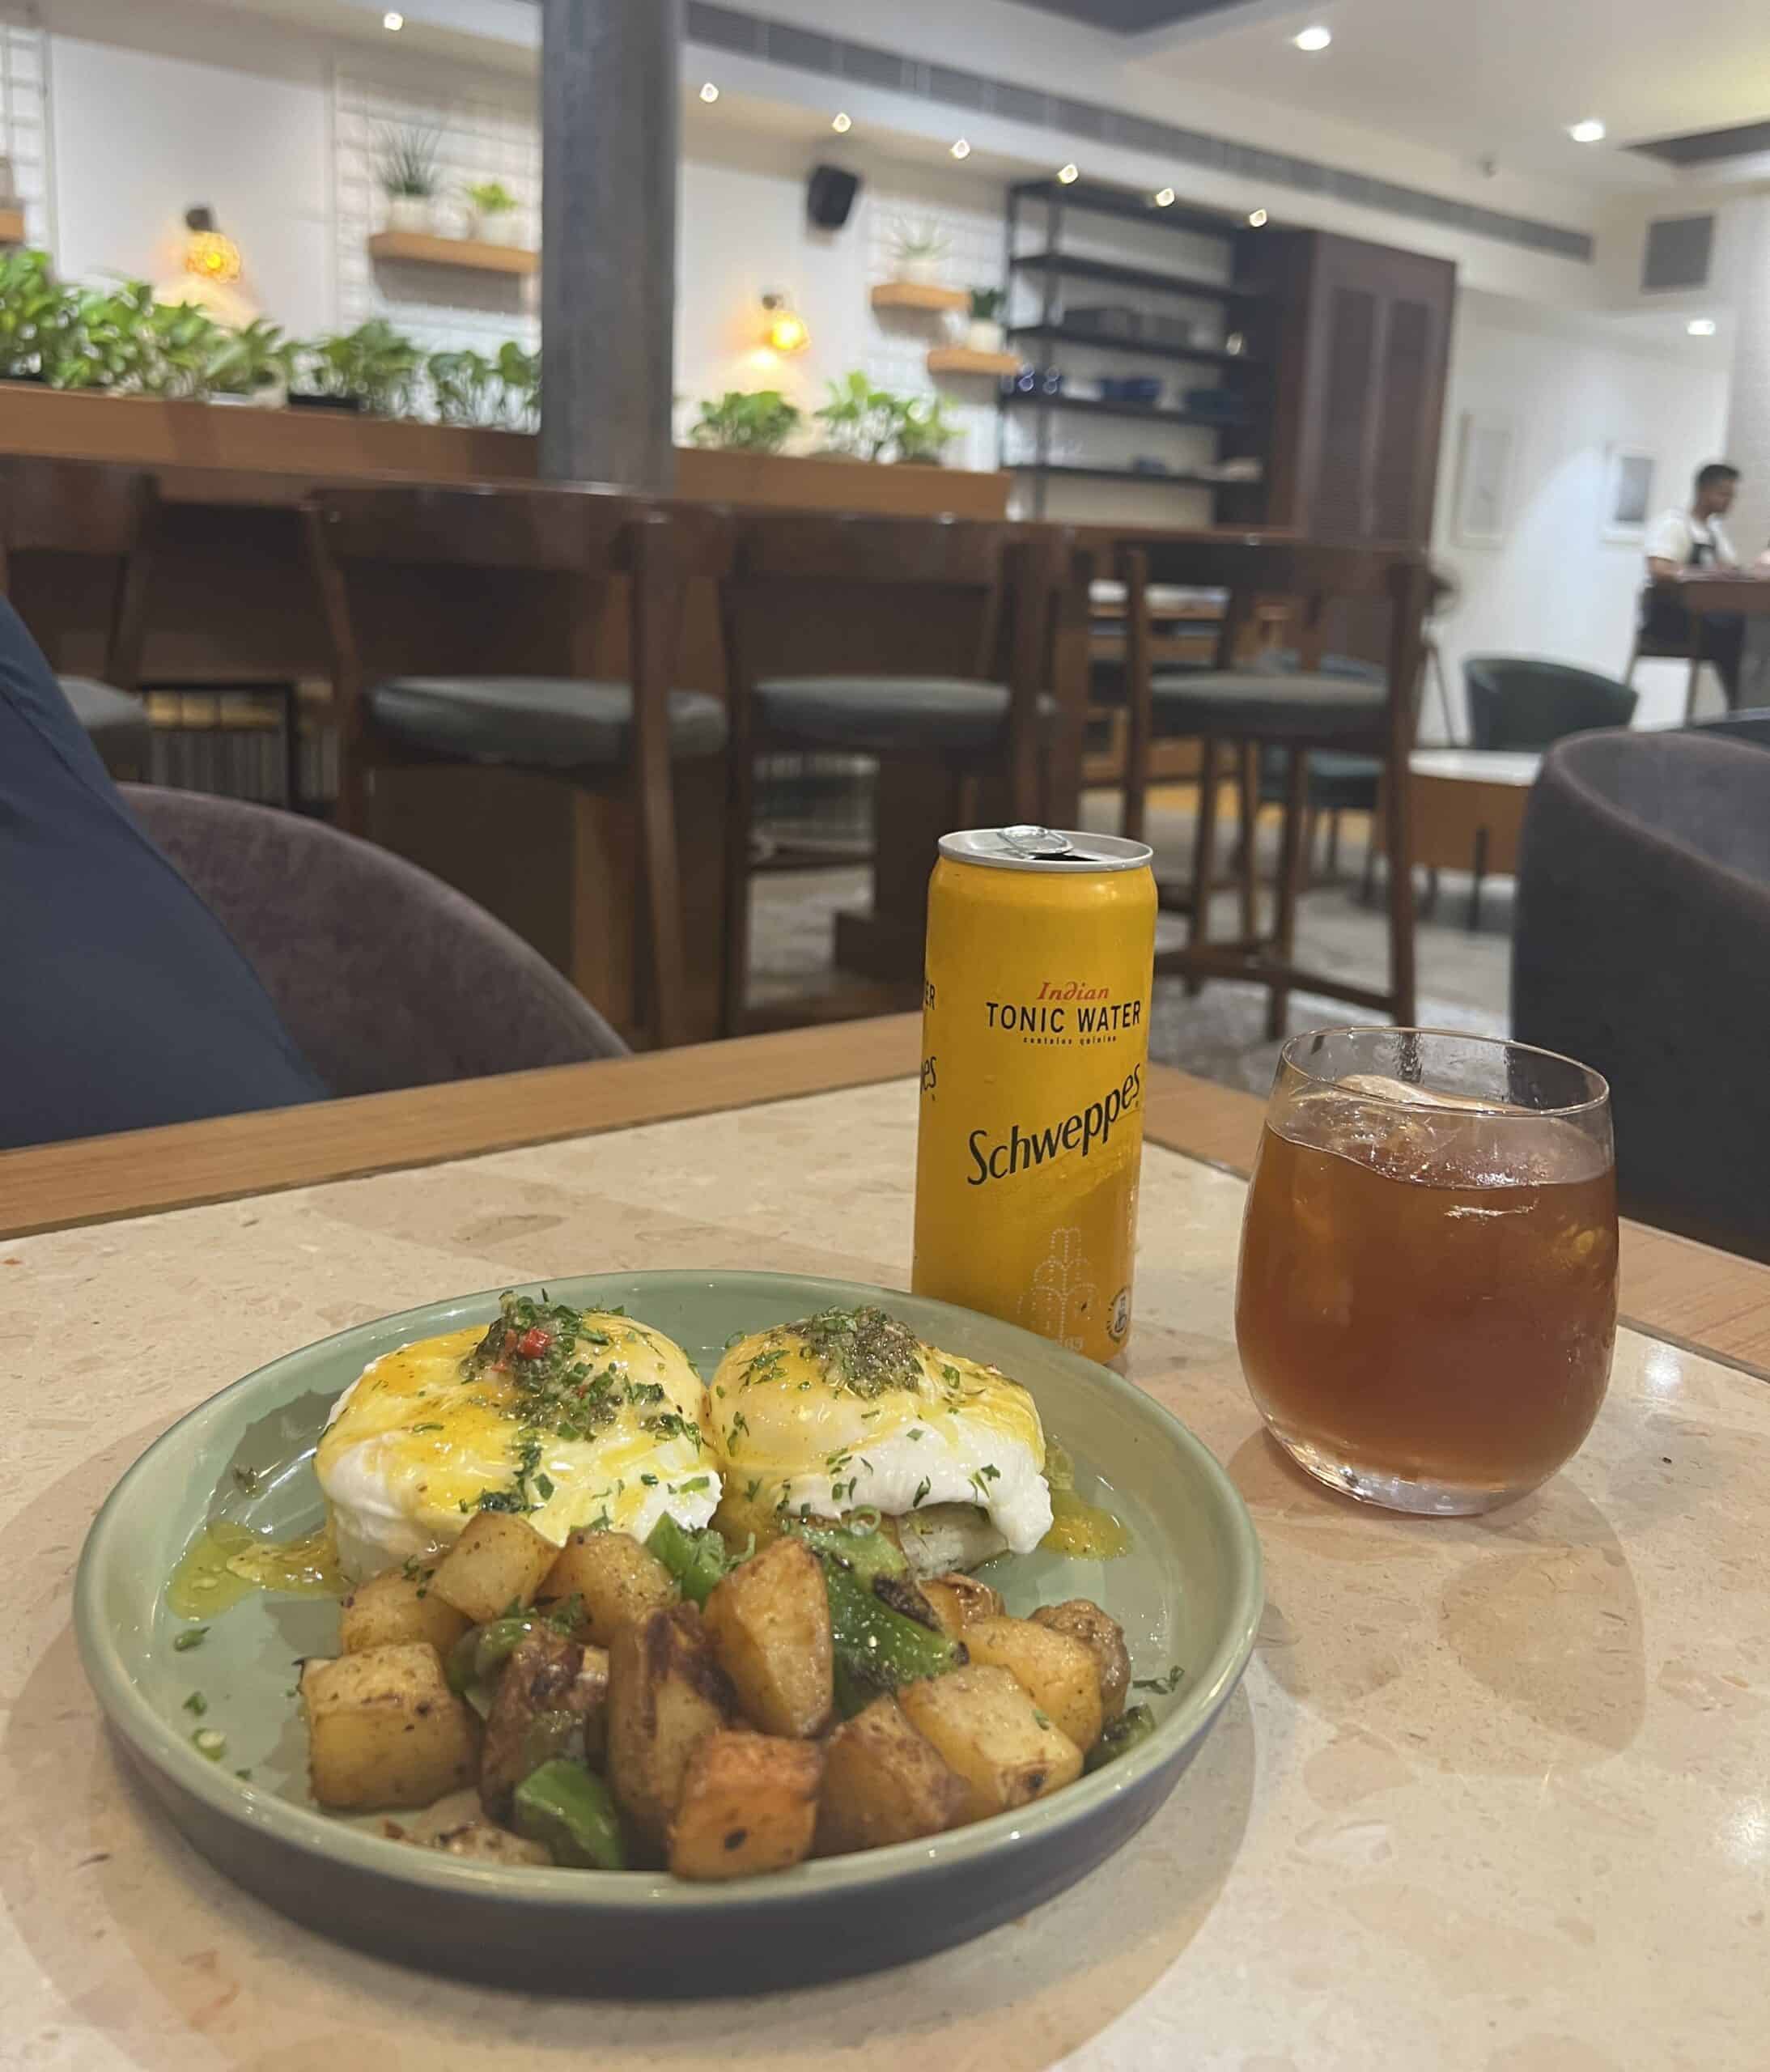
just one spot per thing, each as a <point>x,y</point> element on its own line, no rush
<point>1517,703</point>
<point>1643,948</point>
<point>383,975</point>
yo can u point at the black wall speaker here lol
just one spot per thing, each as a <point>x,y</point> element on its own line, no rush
<point>829,196</point>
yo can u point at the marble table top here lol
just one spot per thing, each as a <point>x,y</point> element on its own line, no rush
<point>1476,766</point>
<point>1494,1795</point>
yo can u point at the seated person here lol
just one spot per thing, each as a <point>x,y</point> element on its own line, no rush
<point>127,1004</point>
<point>1679,542</point>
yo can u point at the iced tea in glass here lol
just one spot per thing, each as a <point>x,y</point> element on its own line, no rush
<point>1427,1302</point>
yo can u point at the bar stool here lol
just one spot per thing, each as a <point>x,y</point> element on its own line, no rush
<point>1298,710</point>
<point>50,510</point>
<point>952,651</point>
<point>465,626</point>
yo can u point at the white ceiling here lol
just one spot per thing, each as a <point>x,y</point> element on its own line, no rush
<point>1500,77</point>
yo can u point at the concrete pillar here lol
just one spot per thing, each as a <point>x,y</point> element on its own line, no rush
<point>609,121</point>
<point>1747,224</point>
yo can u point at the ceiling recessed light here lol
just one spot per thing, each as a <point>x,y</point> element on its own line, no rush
<point>393,20</point>
<point>709,92</point>
<point>841,124</point>
<point>1069,174</point>
<point>961,148</point>
<point>1701,327</point>
<point>1315,37</point>
<point>1257,219</point>
<point>1165,199</point>
<point>1590,131</point>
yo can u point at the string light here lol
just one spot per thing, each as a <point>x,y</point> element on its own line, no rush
<point>841,125</point>
<point>709,93</point>
<point>1069,175</point>
<point>1165,199</point>
<point>392,21</point>
<point>1257,219</point>
<point>961,148</point>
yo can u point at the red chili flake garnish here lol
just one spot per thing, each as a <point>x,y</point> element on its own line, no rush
<point>533,1343</point>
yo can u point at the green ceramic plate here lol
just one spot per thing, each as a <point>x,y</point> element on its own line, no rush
<point>1188,1593</point>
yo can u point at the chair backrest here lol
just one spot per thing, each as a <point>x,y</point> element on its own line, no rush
<point>1515,703</point>
<point>1641,946</point>
<point>383,975</point>
<point>52,510</point>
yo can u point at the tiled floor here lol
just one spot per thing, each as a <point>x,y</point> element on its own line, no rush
<point>1463,977</point>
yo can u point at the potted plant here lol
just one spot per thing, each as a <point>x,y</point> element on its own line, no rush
<point>520,371</point>
<point>859,421</point>
<point>407,165</point>
<point>983,334</point>
<point>37,315</point>
<point>253,365</point>
<point>467,386</point>
<point>373,369</point>
<point>761,422</point>
<point>491,212</point>
<point>919,253</point>
<point>923,431</point>
<point>123,340</point>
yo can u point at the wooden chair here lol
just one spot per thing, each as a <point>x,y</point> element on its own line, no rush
<point>933,644</point>
<point>1300,709</point>
<point>465,626</point>
<point>51,511</point>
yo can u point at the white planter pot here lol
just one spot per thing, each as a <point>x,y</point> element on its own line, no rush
<point>411,212</point>
<point>500,229</point>
<point>923,272</point>
<point>983,334</point>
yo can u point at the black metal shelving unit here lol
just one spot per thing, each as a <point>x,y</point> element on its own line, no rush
<point>1246,306</point>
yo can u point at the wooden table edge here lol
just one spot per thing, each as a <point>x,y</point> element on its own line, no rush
<point>1686,1294</point>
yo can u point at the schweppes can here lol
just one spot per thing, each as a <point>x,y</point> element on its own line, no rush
<point>1035,1038</point>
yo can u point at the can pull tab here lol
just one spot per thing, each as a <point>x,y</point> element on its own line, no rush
<point>1039,845</point>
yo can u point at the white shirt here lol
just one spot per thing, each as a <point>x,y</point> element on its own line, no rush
<point>1675,536</point>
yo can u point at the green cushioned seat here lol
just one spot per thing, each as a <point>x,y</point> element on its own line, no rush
<point>879,716</point>
<point>116,722</point>
<point>1265,707</point>
<point>1337,782</point>
<point>550,722</point>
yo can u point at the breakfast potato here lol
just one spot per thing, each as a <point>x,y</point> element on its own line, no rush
<point>666,1692</point>
<point>499,1561</point>
<point>1003,1749</point>
<point>748,1803</point>
<point>618,1581</point>
<point>955,1599</point>
<point>1104,1639</point>
<point>1055,1667</point>
<point>397,1606</point>
<point>883,1782</point>
<point>551,1700</point>
<point>769,1622</point>
<point>384,1729</point>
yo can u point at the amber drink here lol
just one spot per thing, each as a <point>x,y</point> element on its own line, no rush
<point>1427,1302</point>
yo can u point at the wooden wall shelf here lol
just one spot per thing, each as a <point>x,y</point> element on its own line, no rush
<point>419,248</point>
<point>914,295</point>
<point>961,359</point>
<point>11,226</point>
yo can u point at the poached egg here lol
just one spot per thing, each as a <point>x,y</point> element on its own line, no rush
<point>569,1417</point>
<point>849,1411</point>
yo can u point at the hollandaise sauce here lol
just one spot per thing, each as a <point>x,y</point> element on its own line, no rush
<point>1084,1529</point>
<point>227,1562</point>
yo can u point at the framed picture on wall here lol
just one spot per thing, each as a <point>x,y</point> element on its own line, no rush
<point>1628,493</point>
<point>1484,491</point>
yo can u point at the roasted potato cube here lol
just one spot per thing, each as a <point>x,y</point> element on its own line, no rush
<point>384,1729</point>
<point>1003,1750</point>
<point>618,1581</point>
<point>769,1622</point>
<point>551,1700</point>
<point>955,1599</point>
<point>1055,1667</point>
<point>397,1606</point>
<point>748,1803</point>
<point>883,1782</point>
<point>666,1692</point>
<point>498,1561</point>
<point>1104,1639</point>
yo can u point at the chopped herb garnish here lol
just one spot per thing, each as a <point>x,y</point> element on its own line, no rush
<point>193,1636</point>
<point>732,1341</point>
<point>650,1481</point>
<point>1042,1718</point>
<point>208,1741</point>
<point>567,1615</point>
<point>1166,1685</point>
<point>950,1374</point>
<point>543,1488</point>
<point>196,1705</point>
<point>751,1489</point>
<point>916,1432</point>
<point>922,1489</point>
<point>695,1482</point>
<point>246,1774</point>
<point>247,1478</point>
<point>432,1427</point>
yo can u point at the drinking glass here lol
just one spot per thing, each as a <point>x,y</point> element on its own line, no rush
<point>1427,1301</point>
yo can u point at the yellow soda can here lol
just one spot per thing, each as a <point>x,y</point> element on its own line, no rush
<point>1035,1038</point>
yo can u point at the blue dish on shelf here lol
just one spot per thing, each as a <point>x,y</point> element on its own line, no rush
<point>1144,388</point>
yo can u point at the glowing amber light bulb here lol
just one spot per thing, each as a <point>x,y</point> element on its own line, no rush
<point>211,257</point>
